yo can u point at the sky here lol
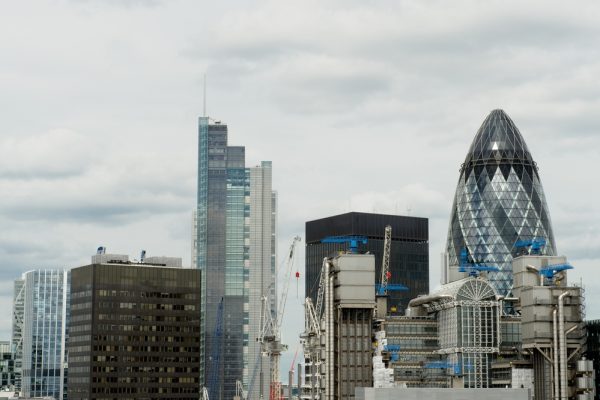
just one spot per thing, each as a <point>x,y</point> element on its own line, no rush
<point>361,105</point>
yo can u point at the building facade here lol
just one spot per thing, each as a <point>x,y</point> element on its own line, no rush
<point>135,332</point>
<point>409,258</point>
<point>7,366</point>
<point>261,273</point>
<point>17,329</point>
<point>40,335</point>
<point>234,245</point>
<point>593,348</point>
<point>499,200</point>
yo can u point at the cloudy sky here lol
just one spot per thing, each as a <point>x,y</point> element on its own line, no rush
<point>361,105</point>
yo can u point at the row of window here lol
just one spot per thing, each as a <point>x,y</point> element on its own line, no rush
<point>169,349</point>
<point>146,306</point>
<point>142,390</point>
<point>148,328</point>
<point>144,379</point>
<point>140,338</point>
<point>133,293</point>
<point>146,318</point>
<point>143,369</point>
<point>144,359</point>
<point>81,306</point>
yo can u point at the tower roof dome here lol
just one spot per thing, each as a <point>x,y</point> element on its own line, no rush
<point>498,139</point>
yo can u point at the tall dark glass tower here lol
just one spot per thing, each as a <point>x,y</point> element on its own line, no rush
<point>499,200</point>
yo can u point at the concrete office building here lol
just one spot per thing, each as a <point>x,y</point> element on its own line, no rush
<point>338,347</point>
<point>234,247</point>
<point>409,258</point>
<point>40,316</point>
<point>135,330</point>
<point>499,200</point>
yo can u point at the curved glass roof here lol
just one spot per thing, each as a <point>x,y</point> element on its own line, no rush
<point>498,139</point>
<point>476,289</point>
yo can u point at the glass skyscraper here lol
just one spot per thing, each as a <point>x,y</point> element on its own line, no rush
<point>499,200</point>
<point>43,332</point>
<point>234,219</point>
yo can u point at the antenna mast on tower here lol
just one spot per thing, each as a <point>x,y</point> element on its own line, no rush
<point>204,98</point>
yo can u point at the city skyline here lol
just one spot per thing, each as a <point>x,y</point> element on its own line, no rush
<point>98,137</point>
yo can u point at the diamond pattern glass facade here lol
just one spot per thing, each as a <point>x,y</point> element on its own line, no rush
<point>499,200</point>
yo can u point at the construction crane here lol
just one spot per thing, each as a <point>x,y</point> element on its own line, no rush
<point>472,268</point>
<point>551,270</point>
<point>385,261</point>
<point>311,342</point>
<point>318,308</point>
<point>530,246</point>
<point>455,367</point>
<point>383,287</point>
<point>240,393</point>
<point>270,333</point>
<point>254,373</point>
<point>353,241</point>
<point>213,380</point>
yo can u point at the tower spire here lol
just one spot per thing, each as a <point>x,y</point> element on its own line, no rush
<point>204,97</point>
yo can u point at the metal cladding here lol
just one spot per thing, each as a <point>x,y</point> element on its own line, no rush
<point>499,200</point>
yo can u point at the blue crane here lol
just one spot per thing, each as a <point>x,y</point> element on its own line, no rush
<point>393,349</point>
<point>397,287</point>
<point>471,267</point>
<point>455,367</point>
<point>353,241</point>
<point>550,270</point>
<point>534,245</point>
<point>213,380</point>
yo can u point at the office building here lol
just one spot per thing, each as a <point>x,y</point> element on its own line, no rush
<point>261,273</point>
<point>234,247</point>
<point>409,252</point>
<point>17,329</point>
<point>338,347</point>
<point>135,330</point>
<point>7,366</point>
<point>499,200</point>
<point>593,348</point>
<point>40,334</point>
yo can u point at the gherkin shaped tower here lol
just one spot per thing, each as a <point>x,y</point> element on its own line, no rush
<point>499,200</point>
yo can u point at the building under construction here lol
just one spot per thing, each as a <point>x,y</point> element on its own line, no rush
<point>463,335</point>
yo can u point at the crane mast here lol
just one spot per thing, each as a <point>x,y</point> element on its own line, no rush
<point>270,334</point>
<point>385,265</point>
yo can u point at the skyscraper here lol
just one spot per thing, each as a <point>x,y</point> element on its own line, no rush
<point>234,243</point>
<point>409,251</point>
<point>499,200</point>
<point>43,332</point>
<point>261,271</point>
